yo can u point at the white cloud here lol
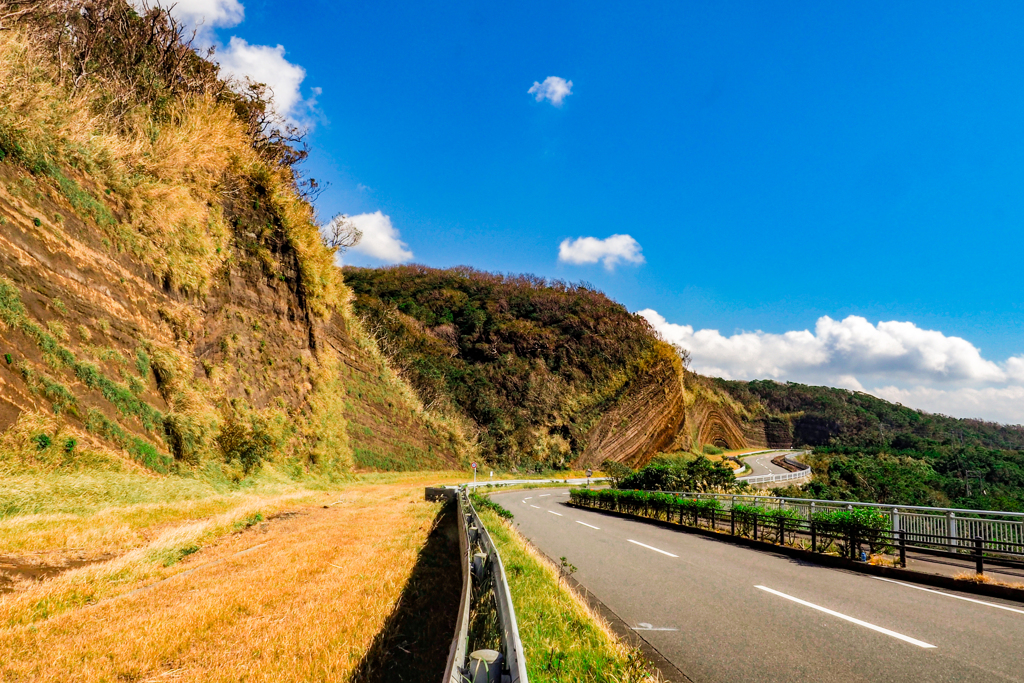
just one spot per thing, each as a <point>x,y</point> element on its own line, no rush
<point>381,239</point>
<point>852,346</point>
<point>553,89</point>
<point>898,361</point>
<point>922,368</point>
<point>611,251</point>
<point>998,404</point>
<point>1015,368</point>
<point>240,60</point>
<point>266,64</point>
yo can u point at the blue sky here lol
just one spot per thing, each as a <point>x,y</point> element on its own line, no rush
<point>781,167</point>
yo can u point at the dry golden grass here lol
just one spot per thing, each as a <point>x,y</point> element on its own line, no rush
<point>987,578</point>
<point>304,604</point>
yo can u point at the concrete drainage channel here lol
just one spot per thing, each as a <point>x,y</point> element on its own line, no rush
<point>486,615</point>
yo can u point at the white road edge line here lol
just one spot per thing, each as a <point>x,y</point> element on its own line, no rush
<point>900,636</point>
<point>650,547</point>
<point>535,506</point>
<point>950,595</point>
<point>590,525</point>
<point>555,513</point>
<point>528,497</point>
<point>543,494</point>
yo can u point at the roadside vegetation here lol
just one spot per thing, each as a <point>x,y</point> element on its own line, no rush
<point>563,639</point>
<point>834,529</point>
<point>695,473</point>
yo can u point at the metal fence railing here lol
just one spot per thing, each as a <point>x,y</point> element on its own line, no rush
<point>978,535</point>
<point>960,526</point>
<point>484,588</point>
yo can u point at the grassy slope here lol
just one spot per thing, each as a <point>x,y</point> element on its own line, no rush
<point>562,638</point>
<point>162,280</point>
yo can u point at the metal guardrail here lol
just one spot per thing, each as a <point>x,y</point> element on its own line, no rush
<point>1002,531</point>
<point>483,581</point>
<point>515,482</point>
<point>805,471</point>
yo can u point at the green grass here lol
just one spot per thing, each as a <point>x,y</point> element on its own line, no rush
<point>561,638</point>
<point>57,356</point>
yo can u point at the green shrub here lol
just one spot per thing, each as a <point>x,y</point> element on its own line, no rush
<point>712,450</point>
<point>70,445</point>
<point>863,524</point>
<point>185,436</point>
<point>43,441</point>
<point>696,475</point>
<point>249,521</point>
<point>248,444</point>
<point>142,362</point>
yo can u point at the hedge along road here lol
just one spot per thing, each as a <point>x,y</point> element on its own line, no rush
<point>722,612</point>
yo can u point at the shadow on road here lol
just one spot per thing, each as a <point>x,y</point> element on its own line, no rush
<point>413,645</point>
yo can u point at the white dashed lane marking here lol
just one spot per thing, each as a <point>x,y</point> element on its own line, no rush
<point>650,547</point>
<point>900,636</point>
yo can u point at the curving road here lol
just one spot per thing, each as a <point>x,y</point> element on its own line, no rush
<point>721,612</point>
<point>761,463</point>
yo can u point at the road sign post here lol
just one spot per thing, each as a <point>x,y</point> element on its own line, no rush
<point>474,473</point>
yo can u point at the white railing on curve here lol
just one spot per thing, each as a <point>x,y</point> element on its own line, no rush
<point>803,473</point>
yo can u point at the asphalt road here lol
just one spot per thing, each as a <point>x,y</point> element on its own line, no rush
<point>721,612</point>
<point>762,464</point>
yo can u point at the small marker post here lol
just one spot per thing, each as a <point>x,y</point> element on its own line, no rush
<point>474,473</point>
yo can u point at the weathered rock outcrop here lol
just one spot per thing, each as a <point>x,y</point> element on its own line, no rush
<point>645,421</point>
<point>667,410</point>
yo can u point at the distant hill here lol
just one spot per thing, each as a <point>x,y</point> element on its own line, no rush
<point>821,416</point>
<point>866,448</point>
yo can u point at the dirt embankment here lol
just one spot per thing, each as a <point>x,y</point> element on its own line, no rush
<point>113,350</point>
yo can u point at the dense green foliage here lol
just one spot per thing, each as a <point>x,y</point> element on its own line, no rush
<point>871,450</point>
<point>531,362</point>
<point>699,474</point>
<point>648,503</point>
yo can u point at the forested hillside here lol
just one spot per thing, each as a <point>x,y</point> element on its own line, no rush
<point>866,448</point>
<point>530,365</point>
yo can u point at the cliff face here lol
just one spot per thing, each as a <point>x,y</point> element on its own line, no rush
<point>98,349</point>
<point>644,422</point>
<point>668,410</point>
